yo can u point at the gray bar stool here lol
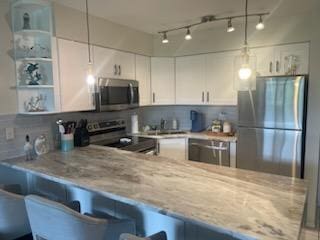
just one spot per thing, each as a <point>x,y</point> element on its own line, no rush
<point>51,220</point>
<point>14,221</point>
<point>158,236</point>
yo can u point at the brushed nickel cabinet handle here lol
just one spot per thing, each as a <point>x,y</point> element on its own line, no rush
<point>270,67</point>
<point>202,96</point>
<point>119,72</point>
<point>208,97</point>
<point>278,66</point>
<point>153,97</point>
<point>115,70</point>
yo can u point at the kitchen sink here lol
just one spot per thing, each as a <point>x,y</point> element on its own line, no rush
<point>166,132</point>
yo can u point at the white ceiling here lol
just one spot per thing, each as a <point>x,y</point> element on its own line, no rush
<point>152,16</point>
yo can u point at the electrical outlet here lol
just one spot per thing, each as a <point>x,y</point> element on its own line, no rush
<point>9,133</point>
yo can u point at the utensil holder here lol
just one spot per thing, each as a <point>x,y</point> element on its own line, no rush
<point>67,142</point>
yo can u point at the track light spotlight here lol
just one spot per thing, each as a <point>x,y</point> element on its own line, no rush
<point>165,38</point>
<point>188,35</point>
<point>230,27</point>
<point>260,25</point>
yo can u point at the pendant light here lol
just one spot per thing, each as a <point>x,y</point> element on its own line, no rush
<point>90,76</point>
<point>245,63</point>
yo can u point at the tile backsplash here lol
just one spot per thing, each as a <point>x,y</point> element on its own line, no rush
<point>35,126</point>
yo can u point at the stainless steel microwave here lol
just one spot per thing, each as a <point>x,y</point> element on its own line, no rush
<point>116,94</point>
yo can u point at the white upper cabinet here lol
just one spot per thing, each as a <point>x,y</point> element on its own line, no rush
<point>219,75</point>
<point>265,61</point>
<point>103,59</point>
<point>143,75</point>
<point>282,60</point>
<point>163,80</point>
<point>190,80</point>
<point>110,63</point>
<point>126,65</point>
<point>73,64</point>
<point>292,59</point>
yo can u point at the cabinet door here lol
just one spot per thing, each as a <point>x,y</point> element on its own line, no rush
<point>73,64</point>
<point>162,80</point>
<point>190,80</point>
<point>126,65</point>
<point>220,79</point>
<point>266,65</point>
<point>293,54</point>
<point>143,77</point>
<point>174,148</point>
<point>104,62</point>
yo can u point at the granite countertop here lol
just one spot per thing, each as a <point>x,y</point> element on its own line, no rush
<point>244,204</point>
<point>188,134</point>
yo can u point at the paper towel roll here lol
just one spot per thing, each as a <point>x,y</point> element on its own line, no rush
<point>134,124</point>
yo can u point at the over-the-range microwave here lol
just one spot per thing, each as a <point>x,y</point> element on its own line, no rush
<point>116,94</point>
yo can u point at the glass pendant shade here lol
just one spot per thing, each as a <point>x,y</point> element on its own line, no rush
<point>245,70</point>
<point>90,77</point>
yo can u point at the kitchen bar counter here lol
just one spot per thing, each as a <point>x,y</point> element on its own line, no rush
<point>196,135</point>
<point>244,204</point>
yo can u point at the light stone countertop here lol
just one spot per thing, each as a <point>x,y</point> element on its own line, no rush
<point>244,204</point>
<point>196,135</point>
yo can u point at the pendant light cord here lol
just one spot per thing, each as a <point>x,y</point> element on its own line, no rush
<point>246,25</point>
<point>88,31</point>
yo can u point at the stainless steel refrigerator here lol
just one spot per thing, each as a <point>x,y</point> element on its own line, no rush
<point>271,126</point>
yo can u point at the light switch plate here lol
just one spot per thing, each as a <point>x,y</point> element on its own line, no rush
<point>9,133</point>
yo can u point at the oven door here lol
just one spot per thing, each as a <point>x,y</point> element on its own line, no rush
<point>117,94</point>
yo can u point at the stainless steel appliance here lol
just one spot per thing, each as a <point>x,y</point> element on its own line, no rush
<point>116,94</point>
<point>112,133</point>
<point>207,151</point>
<point>271,126</point>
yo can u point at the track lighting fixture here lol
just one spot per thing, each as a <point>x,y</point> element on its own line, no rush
<point>188,35</point>
<point>260,25</point>
<point>212,18</point>
<point>165,38</point>
<point>230,27</point>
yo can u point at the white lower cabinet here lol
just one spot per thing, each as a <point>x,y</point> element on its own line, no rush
<point>174,148</point>
<point>163,80</point>
<point>75,93</point>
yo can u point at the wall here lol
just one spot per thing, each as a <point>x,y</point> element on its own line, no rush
<point>71,24</point>
<point>8,97</point>
<point>278,30</point>
<point>313,131</point>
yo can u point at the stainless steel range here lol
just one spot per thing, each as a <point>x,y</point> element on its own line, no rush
<point>112,133</point>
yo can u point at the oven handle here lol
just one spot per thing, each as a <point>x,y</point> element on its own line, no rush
<point>131,93</point>
<point>210,147</point>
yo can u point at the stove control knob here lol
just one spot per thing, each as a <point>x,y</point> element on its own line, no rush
<point>89,127</point>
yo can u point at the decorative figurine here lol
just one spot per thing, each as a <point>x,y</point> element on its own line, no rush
<point>33,74</point>
<point>35,104</point>
<point>26,21</point>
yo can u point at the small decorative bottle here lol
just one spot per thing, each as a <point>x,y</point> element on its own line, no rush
<point>28,149</point>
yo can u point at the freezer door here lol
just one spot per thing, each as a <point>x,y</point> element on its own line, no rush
<point>277,102</point>
<point>270,150</point>
<point>212,152</point>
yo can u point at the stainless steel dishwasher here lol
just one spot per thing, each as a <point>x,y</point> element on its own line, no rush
<point>208,151</point>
